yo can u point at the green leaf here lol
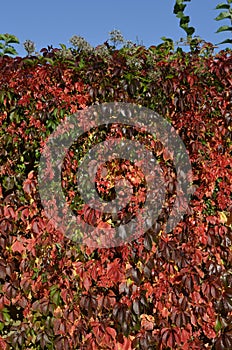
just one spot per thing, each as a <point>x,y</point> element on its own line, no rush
<point>49,60</point>
<point>224,28</point>
<point>180,14</point>
<point>166,39</point>
<point>55,294</point>
<point>1,46</point>
<point>10,51</point>
<point>184,20</point>
<point>6,315</point>
<point>63,47</point>
<point>223,15</point>
<point>218,325</point>
<point>2,96</point>
<point>227,41</point>
<point>179,8</point>
<point>11,39</point>
<point>190,31</point>
<point>222,6</point>
<point>2,37</point>
<point>14,40</point>
<point>81,63</point>
<point>169,76</point>
<point>56,298</point>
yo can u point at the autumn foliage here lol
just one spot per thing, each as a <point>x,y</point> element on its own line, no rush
<point>161,291</point>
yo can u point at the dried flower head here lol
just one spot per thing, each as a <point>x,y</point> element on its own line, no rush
<point>29,46</point>
<point>81,44</point>
<point>102,51</point>
<point>116,37</point>
<point>64,53</point>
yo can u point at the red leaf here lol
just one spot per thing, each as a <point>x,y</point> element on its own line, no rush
<point>212,219</point>
<point>166,154</point>
<point>87,283</point>
<point>3,344</point>
<point>63,295</point>
<point>185,336</point>
<point>111,331</point>
<point>171,340</point>
<point>147,322</point>
<point>31,175</point>
<point>31,243</point>
<point>103,225</point>
<point>18,247</point>
<point>125,346</point>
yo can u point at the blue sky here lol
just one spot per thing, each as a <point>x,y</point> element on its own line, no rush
<point>50,22</point>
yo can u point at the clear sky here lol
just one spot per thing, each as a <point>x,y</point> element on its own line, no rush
<point>50,22</point>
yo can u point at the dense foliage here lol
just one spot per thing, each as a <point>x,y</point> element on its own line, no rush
<point>162,291</point>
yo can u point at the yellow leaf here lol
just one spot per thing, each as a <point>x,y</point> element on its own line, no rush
<point>223,217</point>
